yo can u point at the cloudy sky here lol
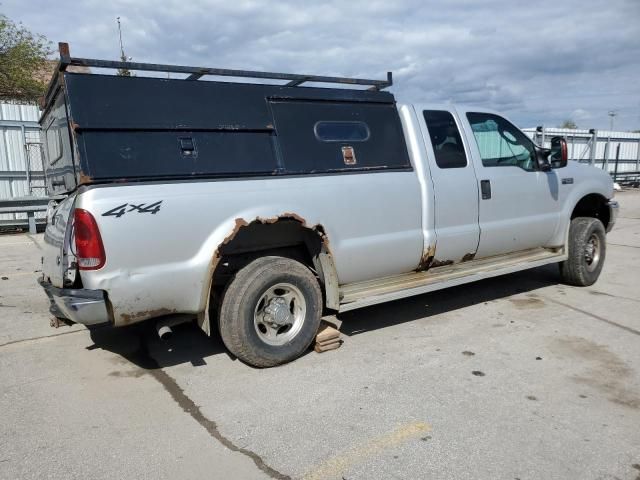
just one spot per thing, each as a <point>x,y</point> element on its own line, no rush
<point>539,62</point>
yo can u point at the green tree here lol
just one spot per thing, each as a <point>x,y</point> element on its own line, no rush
<point>569,124</point>
<point>124,72</point>
<point>23,62</point>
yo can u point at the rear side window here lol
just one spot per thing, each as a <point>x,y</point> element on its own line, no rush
<point>341,131</point>
<point>445,138</point>
<point>54,142</point>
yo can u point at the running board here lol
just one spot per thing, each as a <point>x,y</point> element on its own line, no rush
<point>371,292</point>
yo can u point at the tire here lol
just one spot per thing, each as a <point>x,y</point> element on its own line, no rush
<point>270,311</point>
<point>587,250</point>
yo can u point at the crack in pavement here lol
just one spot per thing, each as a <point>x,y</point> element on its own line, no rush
<point>34,242</point>
<point>605,294</point>
<point>188,405</point>
<point>180,397</point>
<point>623,245</point>
<point>597,317</point>
<point>18,274</point>
<point>33,339</point>
<point>149,365</point>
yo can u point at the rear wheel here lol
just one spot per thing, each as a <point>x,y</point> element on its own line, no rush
<point>587,249</point>
<point>270,311</point>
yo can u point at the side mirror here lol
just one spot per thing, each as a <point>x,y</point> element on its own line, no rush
<point>542,155</point>
<point>559,156</point>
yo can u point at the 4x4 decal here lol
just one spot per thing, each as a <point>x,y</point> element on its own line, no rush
<point>120,210</point>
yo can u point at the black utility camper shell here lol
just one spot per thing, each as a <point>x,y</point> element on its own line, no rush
<point>108,128</point>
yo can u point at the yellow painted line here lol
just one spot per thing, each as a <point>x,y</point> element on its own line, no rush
<point>335,467</point>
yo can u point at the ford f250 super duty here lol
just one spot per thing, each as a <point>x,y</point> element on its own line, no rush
<point>258,208</point>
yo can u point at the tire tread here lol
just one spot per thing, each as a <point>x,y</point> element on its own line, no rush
<point>573,270</point>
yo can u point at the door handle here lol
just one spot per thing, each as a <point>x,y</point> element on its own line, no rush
<point>485,189</point>
<point>187,147</point>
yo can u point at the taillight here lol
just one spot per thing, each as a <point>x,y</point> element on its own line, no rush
<point>89,248</point>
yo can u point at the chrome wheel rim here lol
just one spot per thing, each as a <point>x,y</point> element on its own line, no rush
<point>279,314</point>
<point>592,252</point>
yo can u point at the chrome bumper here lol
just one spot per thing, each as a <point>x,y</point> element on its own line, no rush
<point>88,307</point>
<point>614,207</point>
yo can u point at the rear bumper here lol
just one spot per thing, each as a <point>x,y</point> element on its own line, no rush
<point>614,207</point>
<point>88,307</point>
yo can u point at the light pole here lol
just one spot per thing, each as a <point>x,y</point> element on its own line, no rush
<point>612,114</point>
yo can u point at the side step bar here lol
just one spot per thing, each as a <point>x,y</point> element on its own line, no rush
<point>372,292</point>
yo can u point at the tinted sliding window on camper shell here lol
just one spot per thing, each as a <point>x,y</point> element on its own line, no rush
<point>319,137</point>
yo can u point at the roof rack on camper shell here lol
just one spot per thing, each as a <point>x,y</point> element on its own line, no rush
<point>196,73</point>
<point>102,128</point>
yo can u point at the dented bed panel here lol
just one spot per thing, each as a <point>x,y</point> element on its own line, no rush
<point>161,239</point>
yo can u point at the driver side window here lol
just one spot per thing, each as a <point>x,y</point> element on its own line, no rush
<point>500,143</point>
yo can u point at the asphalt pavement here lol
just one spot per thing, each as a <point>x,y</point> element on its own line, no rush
<point>518,377</point>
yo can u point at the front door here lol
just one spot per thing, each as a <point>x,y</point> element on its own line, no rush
<point>519,206</point>
<point>455,188</point>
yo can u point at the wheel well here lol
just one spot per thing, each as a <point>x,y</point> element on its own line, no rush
<point>592,205</point>
<point>284,236</point>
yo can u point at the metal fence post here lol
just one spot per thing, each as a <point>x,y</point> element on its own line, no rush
<point>615,169</point>
<point>605,161</point>
<point>594,144</point>
<point>573,147</point>
<point>25,151</point>
<point>32,222</point>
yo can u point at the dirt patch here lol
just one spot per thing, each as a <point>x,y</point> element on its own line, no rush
<point>528,303</point>
<point>605,371</point>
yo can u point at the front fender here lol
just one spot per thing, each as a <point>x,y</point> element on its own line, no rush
<point>586,180</point>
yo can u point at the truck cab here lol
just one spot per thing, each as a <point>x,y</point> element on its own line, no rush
<point>489,188</point>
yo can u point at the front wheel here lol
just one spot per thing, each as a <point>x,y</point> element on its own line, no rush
<point>587,249</point>
<point>270,311</point>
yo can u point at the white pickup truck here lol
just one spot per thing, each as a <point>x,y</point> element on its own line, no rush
<point>258,208</point>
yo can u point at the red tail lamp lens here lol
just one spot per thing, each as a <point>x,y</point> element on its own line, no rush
<point>89,247</point>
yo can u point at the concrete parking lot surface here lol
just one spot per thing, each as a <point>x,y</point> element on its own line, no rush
<point>517,377</point>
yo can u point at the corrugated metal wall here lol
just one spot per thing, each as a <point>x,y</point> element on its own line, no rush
<point>20,153</point>
<point>579,143</point>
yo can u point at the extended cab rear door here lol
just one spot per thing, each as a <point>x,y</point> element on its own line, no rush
<point>519,203</point>
<point>454,184</point>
